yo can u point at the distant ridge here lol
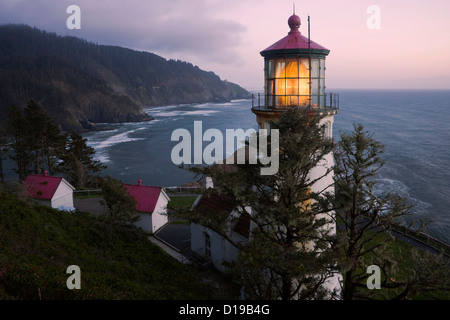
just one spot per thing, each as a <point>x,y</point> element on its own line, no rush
<point>81,84</point>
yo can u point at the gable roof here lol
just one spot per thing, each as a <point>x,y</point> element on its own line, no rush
<point>43,187</point>
<point>146,197</point>
<point>216,203</point>
<point>220,203</point>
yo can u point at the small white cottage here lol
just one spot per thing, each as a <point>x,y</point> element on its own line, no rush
<point>151,206</point>
<point>53,191</point>
<point>211,246</point>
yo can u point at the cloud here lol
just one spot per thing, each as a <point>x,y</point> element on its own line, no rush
<point>178,28</point>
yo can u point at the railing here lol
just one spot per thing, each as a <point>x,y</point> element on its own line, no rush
<point>175,189</point>
<point>199,258</point>
<point>426,239</point>
<point>334,101</point>
<point>88,193</point>
<point>331,101</point>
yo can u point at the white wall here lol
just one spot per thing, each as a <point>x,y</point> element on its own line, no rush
<point>221,249</point>
<point>154,221</point>
<point>159,216</point>
<point>63,196</point>
<point>145,222</point>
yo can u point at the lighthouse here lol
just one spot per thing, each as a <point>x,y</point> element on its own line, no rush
<point>294,77</point>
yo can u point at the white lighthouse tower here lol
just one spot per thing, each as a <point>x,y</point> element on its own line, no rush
<point>294,74</point>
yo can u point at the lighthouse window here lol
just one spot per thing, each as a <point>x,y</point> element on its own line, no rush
<point>270,87</point>
<point>280,86</point>
<point>315,64</point>
<point>304,68</point>
<point>270,69</point>
<point>291,87</point>
<point>322,68</point>
<point>288,82</point>
<point>315,86</point>
<point>314,101</point>
<point>280,69</point>
<point>292,68</point>
<point>207,245</point>
<point>321,87</point>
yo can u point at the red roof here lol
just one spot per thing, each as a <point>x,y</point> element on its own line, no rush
<point>42,186</point>
<point>145,196</point>
<point>294,40</point>
<point>221,203</point>
<point>216,203</point>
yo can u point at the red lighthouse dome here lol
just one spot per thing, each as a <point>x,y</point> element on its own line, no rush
<point>295,42</point>
<point>294,22</point>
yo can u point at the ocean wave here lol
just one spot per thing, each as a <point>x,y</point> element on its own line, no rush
<point>386,185</point>
<point>100,144</point>
<point>205,113</point>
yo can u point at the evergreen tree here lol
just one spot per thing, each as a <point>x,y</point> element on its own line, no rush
<point>78,163</point>
<point>4,147</point>
<point>43,137</point>
<point>367,219</point>
<point>16,129</point>
<point>288,255</point>
<point>120,207</point>
<point>36,140</point>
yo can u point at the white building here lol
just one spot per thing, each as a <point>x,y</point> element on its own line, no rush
<point>53,191</point>
<point>211,246</point>
<point>151,206</point>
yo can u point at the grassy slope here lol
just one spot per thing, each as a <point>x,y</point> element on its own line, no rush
<point>37,244</point>
<point>402,252</point>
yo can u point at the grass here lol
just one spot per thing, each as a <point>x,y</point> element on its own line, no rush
<point>181,201</point>
<point>39,243</point>
<point>86,194</point>
<point>402,253</point>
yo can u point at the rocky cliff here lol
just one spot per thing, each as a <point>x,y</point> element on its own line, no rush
<point>82,84</point>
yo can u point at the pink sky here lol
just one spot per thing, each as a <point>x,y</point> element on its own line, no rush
<point>411,50</point>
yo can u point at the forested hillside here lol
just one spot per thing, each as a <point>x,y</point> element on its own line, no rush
<point>81,83</point>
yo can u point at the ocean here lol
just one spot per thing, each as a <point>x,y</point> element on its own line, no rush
<point>412,125</point>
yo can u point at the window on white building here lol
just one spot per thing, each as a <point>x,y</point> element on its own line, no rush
<point>207,245</point>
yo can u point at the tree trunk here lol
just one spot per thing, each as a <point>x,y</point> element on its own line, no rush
<point>348,285</point>
<point>286,289</point>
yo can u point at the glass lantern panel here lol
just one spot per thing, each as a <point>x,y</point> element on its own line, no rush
<point>303,88</point>
<point>304,68</point>
<point>291,87</point>
<point>280,69</point>
<point>280,101</point>
<point>322,68</point>
<point>270,69</point>
<point>303,100</point>
<point>315,86</point>
<point>292,100</point>
<point>315,64</point>
<point>269,87</point>
<point>269,101</point>
<point>322,86</point>
<point>280,86</point>
<point>315,100</point>
<point>292,68</point>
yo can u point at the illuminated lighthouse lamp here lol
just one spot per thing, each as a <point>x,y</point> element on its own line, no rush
<point>294,72</point>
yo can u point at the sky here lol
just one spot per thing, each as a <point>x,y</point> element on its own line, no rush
<point>374,44</point>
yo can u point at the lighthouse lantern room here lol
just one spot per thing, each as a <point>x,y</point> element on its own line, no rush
<point>294,74</point>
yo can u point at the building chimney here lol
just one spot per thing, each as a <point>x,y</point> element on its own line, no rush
<point>139,183</point>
